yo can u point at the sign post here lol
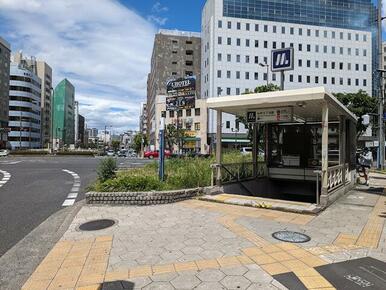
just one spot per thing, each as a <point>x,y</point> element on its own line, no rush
<point>161,168</point>
<point>282,60</point>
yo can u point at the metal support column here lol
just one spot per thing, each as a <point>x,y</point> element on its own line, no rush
<point>218,147</point>
<point>325,149</point>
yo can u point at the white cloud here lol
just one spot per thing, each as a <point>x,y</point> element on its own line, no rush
<point>101,46</point>
<point>159,8</point>
<point>158,20</point>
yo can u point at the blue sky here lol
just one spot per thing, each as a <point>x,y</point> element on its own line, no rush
<point>102,46</point>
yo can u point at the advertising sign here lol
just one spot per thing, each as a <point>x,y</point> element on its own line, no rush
<point>181,94</point>
<point>251,117</point>
<point>282,59</point>
<point>271,115</point>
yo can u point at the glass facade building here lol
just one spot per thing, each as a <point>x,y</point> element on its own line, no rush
<point>349,14</point>
<point>63,113</point>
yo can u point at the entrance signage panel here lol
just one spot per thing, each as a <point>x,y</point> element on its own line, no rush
<point>181,94</point>
<point>271,115</point>
<point>282,59</point>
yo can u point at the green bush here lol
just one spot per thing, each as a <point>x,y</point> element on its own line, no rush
<point>106,169</point>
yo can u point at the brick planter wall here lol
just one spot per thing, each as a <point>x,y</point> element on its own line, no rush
<point>142,198</point>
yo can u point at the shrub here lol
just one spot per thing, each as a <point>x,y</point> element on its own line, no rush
<point>106,169</point>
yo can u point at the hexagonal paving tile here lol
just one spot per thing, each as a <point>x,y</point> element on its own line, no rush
<point>234,271</point>
<point>194,242</point>
<point>191,250</point>
<point>235,282</point>
<point>210,275</point>
<point>185,281</point>
<point>159,286</point>
<point>210,286</point>
<point>140,282</point>
<point>164,277</point>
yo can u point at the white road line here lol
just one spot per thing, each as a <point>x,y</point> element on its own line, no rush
<point>6,177</point>
<point>71,197</point>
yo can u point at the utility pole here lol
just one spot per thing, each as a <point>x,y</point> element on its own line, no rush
<point>381,133</point>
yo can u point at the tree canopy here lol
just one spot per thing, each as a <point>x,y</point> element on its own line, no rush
<point>137,144</point>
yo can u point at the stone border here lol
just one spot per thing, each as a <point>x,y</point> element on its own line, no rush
<point>144,198</point>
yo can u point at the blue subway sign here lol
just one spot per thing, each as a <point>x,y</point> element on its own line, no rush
<point>282,59</point>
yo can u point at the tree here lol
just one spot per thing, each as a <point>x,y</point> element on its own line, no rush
<point>137,143</point>
<point>115,145</point>
<point>174,136</point>
<point>360,104</point>
<point>260,89</point>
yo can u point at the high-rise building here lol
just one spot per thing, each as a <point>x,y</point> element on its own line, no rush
<point>81,131</point>
<point>5,59</point>
<point>76,125</point>
<point>384,55</point>
<point>176,54</point>
<point>44,72</point>
<point>63,114</point>
<point>24,106</point>
<point>143,119</point>
<point>333,41</point>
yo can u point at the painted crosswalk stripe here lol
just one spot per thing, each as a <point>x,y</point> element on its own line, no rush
<point>71,197</point>
<point>6,177</point>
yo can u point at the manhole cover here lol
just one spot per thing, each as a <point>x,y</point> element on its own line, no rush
<point>96,225</point>
<point>291,237</point>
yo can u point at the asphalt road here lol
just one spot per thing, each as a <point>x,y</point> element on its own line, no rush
<point>34,188</point>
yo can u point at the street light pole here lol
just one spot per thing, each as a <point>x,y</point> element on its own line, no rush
<point>381,133</point>
<point>267,66</point>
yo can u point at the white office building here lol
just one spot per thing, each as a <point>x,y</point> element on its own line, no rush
<point>332,48</point>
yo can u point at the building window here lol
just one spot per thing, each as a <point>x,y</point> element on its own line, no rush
<point>228,124</point>
<point>238,58</point>
<point>256,27</point>
<point>316,63</point>
<point>247,26</point>
<point>349,36</point>
<point>228,74</point>
<point>333,34</point>
<point>237,91</point>
<point>274,77</point>
<point>274,29</point>
<point>308,32</point>
<point>317,33</point>
<point>291,30</point>
<point>325,48</point>
<point>341,50</point>
<point>291,78</point>
<point>299,78</point>
<point>189,63</point>
<point>283,45</point>
<point>333,80</point>
<point>197,126</point>
<point>174,73</point>
<point>341,65</point>
<point>341,81</point>
<point>308,63</point>
<point>163,114</point>
<point>357,82</point>
<point>274,44</point>
<point>283,29</point>
<point>357,66</point>
<point>265,76</point>
<point>356,37</point>
<point>325,34</point>
<point>229,57</point>
<point>300,63</point>
<point>341,35</point>
<point>189,52</point>
<point>256,59</point>
<point>265,44</point>
<point>324,80</point>
<point>265,28</point>
<point>247,75</point>
<point>229,41</point>
<point>256,76</point>
<point>364,67</point>
<point>333,49</point>
<point>229,25</point>
<point>247,42</point>
<point>349,66</point>
<point>308,47</point>
<point>238,25</point>
<point>219,57</point>
<point>219,40</point>
<point>308,79</point>
<point>238,42</point>
<point>364,37</point>
<point>364,83</point>
<point>219,24</point>
<point>300,31</point>
<point>316,80</point>
<point>324,64</point>
<point>188,112</point>
<point>219,91</point>
<point>179,113</point>
<point>349,51</point>
<point>238,75</point>
<point>174,62</point>
<point>256,43</point>
<point>364,52</point>
<point>219,74</point>
<point>333,65</point>
<point>197,112</point>
<point>316,48</point>
<point>247,59</point>
<point>171,114</point>
<point>349,81</point>
<point>228,91</point>
<point>357,52</point>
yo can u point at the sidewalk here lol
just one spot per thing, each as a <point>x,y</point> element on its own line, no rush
<point>204,245</point>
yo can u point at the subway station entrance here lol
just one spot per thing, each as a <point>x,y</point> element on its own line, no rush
<point>304,145</point>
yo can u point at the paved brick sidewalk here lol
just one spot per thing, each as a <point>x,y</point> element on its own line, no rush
<point>203,245</point>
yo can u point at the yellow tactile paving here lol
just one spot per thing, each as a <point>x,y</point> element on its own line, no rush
<point>72,264</point>
<point>345,240</point>
<point>207,264</point>
<point>188,266</point>
<point>141,271</point>
<point>275,268</point>
<point>117,275</point>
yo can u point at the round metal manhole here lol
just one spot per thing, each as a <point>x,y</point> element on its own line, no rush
<point>291,237</point>
<point>97,225</point>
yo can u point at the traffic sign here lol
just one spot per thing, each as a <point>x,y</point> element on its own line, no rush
<point>282,59</point>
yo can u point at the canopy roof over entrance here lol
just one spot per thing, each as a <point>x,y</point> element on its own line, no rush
<point>306,103</point>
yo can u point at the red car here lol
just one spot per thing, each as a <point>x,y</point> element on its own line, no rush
<point>155,154</point>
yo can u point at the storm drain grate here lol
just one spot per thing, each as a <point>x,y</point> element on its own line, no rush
<point>291,237</point>
<point>97,225</point>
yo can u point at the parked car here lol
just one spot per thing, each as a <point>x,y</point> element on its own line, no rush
<point>110,153</point>
<point>4,152</point>
<point>155,154</point>
<point>246,150</point>
<point>122,153</point>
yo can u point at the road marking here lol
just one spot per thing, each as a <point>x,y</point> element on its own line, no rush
<point>71,197</point>
<point>9,162</point>
<point>5,179</point>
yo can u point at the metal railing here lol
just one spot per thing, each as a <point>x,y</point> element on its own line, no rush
<point>337,176</point>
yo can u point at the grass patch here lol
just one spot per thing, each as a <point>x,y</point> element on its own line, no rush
<point>179,174</point>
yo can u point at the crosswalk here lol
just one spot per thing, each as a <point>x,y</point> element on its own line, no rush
<point>71,197</point>
<point>6,177</point>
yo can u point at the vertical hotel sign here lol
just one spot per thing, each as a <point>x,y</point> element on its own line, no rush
<point>181,94</point>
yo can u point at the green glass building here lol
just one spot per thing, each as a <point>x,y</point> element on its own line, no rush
<point>63,113</point>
